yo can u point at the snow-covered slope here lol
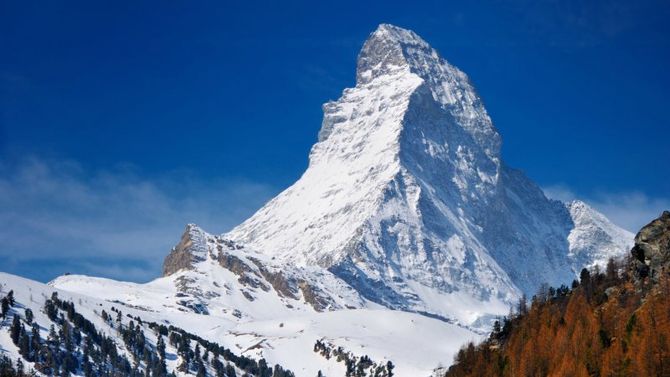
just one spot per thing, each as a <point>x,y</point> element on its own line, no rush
<point>594,239</point>
<point>32,296</point>
<point>281,332</point>
<point>258,308</point>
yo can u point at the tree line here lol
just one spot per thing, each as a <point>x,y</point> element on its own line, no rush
<point>608,323</point>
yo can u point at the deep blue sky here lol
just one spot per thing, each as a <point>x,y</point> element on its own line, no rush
<point>197,103</point>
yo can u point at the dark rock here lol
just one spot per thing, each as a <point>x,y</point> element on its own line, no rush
<point>186,252</point>
<point>281,285</point>
<point>311,296</point>
<point>651,253</point>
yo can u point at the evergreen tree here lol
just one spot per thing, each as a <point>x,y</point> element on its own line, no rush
<point>201,369</point>
<point>523,305</point>
<point>29,315</point>
<point>35,341</point>
<point>389,368</point>
<point>5,307</point>
<point>86,363</point>
<point>15,329</point>
<point>230,371</point>
<point>585,277</point>
<point>217,365</point>
<point>585,282</point>
<point>10,298</point>
<point>19,367</point>
<point>160,347</point>
<point>497,330</point>
<point>24,344</point>
<point>53,336</point>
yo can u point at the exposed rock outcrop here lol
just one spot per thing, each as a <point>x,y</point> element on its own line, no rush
<point>651,253</point>
<point>188,251</point>
<point>311,296</point>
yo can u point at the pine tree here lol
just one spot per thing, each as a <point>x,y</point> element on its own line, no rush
<point>160,347</point>
<point>35,341</point>
<point>24,344</point>
<point>201,369</point>
<point>86,363</point>
<point>10,298</point>
<point>497,330</point>
<point>29,315</point>
<point>389,368</point>
<point>217,365</point>
<point>523,305</point>
<point>5,307</point>
<point>230,371</point>
<point>15,329</point>
<point>66,335</point>
<point>19,367</point>
<point>197,352</point>
<point>53,336</point>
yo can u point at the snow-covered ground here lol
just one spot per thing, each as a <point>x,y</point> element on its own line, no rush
<point>416,344</point>
<point>31,294</point>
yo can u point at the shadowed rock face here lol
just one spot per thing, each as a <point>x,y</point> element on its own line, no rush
<point>651,252</point>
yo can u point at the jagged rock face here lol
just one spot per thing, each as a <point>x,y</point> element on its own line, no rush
<point>199,257</point>
<point>651,253</point>
<point>187,252</point>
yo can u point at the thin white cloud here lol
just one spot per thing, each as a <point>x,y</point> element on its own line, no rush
<point>59,217</point>
<point>559,192</point>
<point>629,210</point>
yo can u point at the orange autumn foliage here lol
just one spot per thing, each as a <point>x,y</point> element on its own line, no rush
<point>609,325</point>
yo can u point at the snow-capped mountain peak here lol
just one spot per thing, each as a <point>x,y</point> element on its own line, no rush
<point>391,50</point>
<point>594,239</point>
<point>386,52</point>
<point>407,200</point>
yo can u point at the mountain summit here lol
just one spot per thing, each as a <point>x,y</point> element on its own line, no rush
<point>407,200</point>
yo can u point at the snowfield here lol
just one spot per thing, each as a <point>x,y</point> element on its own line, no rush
<point>266,327</point>
<point>414,343</point>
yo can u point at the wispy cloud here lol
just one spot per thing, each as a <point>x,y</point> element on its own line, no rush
<point>629,210</point>
<point>56,217</point>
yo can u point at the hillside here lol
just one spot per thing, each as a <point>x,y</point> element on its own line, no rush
<point>611,323</point>
<point>47,331</point>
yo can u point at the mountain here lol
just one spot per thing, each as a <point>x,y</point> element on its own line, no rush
<point>613,323</point>
<point>406,197</point>
<point>406,229</point>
